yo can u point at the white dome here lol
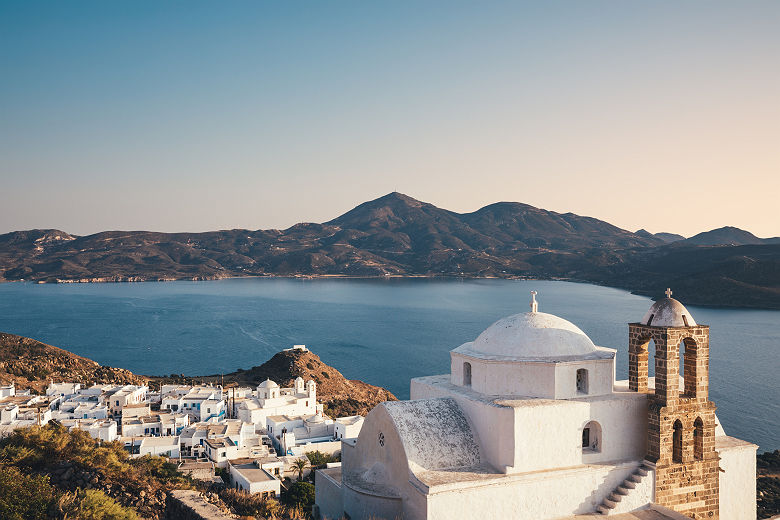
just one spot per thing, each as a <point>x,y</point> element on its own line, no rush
<point>530,335</point>
<point>267,384</point>
<point>668,312</point>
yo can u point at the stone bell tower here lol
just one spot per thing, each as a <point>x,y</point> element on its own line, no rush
<point>681,422</point>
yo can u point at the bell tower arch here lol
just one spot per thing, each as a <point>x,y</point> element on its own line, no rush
<point>681,420</point>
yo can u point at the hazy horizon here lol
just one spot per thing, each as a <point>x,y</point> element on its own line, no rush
<point>193,116</point>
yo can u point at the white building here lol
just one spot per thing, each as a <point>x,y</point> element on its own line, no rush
<point>62,389</point>
<point>297,435</point>
<point>157,424</point>
<point>118,397</point>
<point>250,476</point>
<point>7,390</point>
<point>270,399</point>
<point>347,427</point>
<point>102,429</point>
<point>531,424</point>
<point>201,403</point>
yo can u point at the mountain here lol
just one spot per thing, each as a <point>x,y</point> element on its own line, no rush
<point>669,237</point>
<point>341,396</point>
<point>30,364</point>
<point>726,236</point>
<point>396,235</point>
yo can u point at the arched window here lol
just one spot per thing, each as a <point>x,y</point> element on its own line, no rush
<point>591,437</point>
<point>687,351</point>
<point>698,439</point>
<point>582,381</point>
<point>677,442</point>
<point>466,374</point>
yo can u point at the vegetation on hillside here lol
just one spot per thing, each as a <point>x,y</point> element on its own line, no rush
<point>33,484</point>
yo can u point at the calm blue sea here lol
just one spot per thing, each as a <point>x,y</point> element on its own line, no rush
<point>381,331</point>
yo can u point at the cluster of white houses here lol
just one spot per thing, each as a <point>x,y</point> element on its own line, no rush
<point>255,434</point>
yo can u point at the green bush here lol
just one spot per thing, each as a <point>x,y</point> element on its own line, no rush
<point>24,497</point>
<point>300,495</point>
<point>91,504</point>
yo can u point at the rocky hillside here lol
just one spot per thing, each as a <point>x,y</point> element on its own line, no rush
<point>31,364</point>
<point>341,396</point>
<point>397,235</point>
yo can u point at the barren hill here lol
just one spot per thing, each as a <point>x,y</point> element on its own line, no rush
<point>31,364</point>
<point>341,396</point>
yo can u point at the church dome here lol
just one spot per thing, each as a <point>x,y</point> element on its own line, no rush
<point>268,384</point>
<point>530,335</point>
<point>668,312</point>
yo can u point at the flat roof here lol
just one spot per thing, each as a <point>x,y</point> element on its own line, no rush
<point>252,473</point>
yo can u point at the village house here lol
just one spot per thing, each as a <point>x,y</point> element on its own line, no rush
<point>102,429</point>
<point>156,424</point>
<point>269,399</point>
<point>201,403</point>
<point>530,423</point>
<point>250,476</point>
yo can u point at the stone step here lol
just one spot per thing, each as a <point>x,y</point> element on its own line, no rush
<point>629,484</point>
<point>604,510</point>
<point>635,478</point>
<point>641,471</point>
<point>615,497</point>
<point>610,503</point>
<point>622,490</point>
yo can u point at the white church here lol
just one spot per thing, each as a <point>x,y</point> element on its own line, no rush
<point>530,423</point>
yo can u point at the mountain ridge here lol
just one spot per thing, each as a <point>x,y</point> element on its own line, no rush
<point>397,235</point>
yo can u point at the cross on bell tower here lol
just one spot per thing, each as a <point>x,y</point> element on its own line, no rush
<point>668,292</point>
<point>534,303</point>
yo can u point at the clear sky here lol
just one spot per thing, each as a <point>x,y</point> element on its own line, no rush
<point>194,116</point>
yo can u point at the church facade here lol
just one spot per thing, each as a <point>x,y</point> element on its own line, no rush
<point>530,423</point>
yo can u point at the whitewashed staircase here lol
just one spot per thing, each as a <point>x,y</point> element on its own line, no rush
<point>633,493</point>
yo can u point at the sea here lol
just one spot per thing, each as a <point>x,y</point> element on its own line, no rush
<point>384,332</point>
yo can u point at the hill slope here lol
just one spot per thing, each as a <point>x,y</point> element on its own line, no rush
<point>30,364</point>
<point>341,396</point>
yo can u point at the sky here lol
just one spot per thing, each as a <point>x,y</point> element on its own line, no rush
<point>196,116</point>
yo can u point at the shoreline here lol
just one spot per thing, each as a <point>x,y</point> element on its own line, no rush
<point>139,279</point>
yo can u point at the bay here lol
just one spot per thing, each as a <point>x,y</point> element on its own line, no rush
<point>381,331</point>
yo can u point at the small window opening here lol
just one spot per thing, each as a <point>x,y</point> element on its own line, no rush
<point>582,381</point>
<point>677,442</point>
<point>698,439</point>
<point>586,437</point>
<point>466,374</point>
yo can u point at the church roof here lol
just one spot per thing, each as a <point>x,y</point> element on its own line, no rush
<point>668,312</point>
<point>531,336</point>
<point>268,384</point>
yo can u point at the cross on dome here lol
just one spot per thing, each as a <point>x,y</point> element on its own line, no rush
<point>534,303</point>
<point>668,292</point>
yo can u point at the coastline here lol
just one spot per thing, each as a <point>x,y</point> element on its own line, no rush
<point>141,279</point>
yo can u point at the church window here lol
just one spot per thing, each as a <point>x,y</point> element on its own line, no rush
<point>698,439</point>
<point>466,374</point>
<point>582,381</point>
<point>677,442</point>
<point>591,437</point>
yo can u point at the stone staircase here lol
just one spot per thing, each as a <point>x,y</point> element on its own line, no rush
<point>620,500</point>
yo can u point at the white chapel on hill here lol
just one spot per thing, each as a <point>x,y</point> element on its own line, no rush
<point>531,424</point>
